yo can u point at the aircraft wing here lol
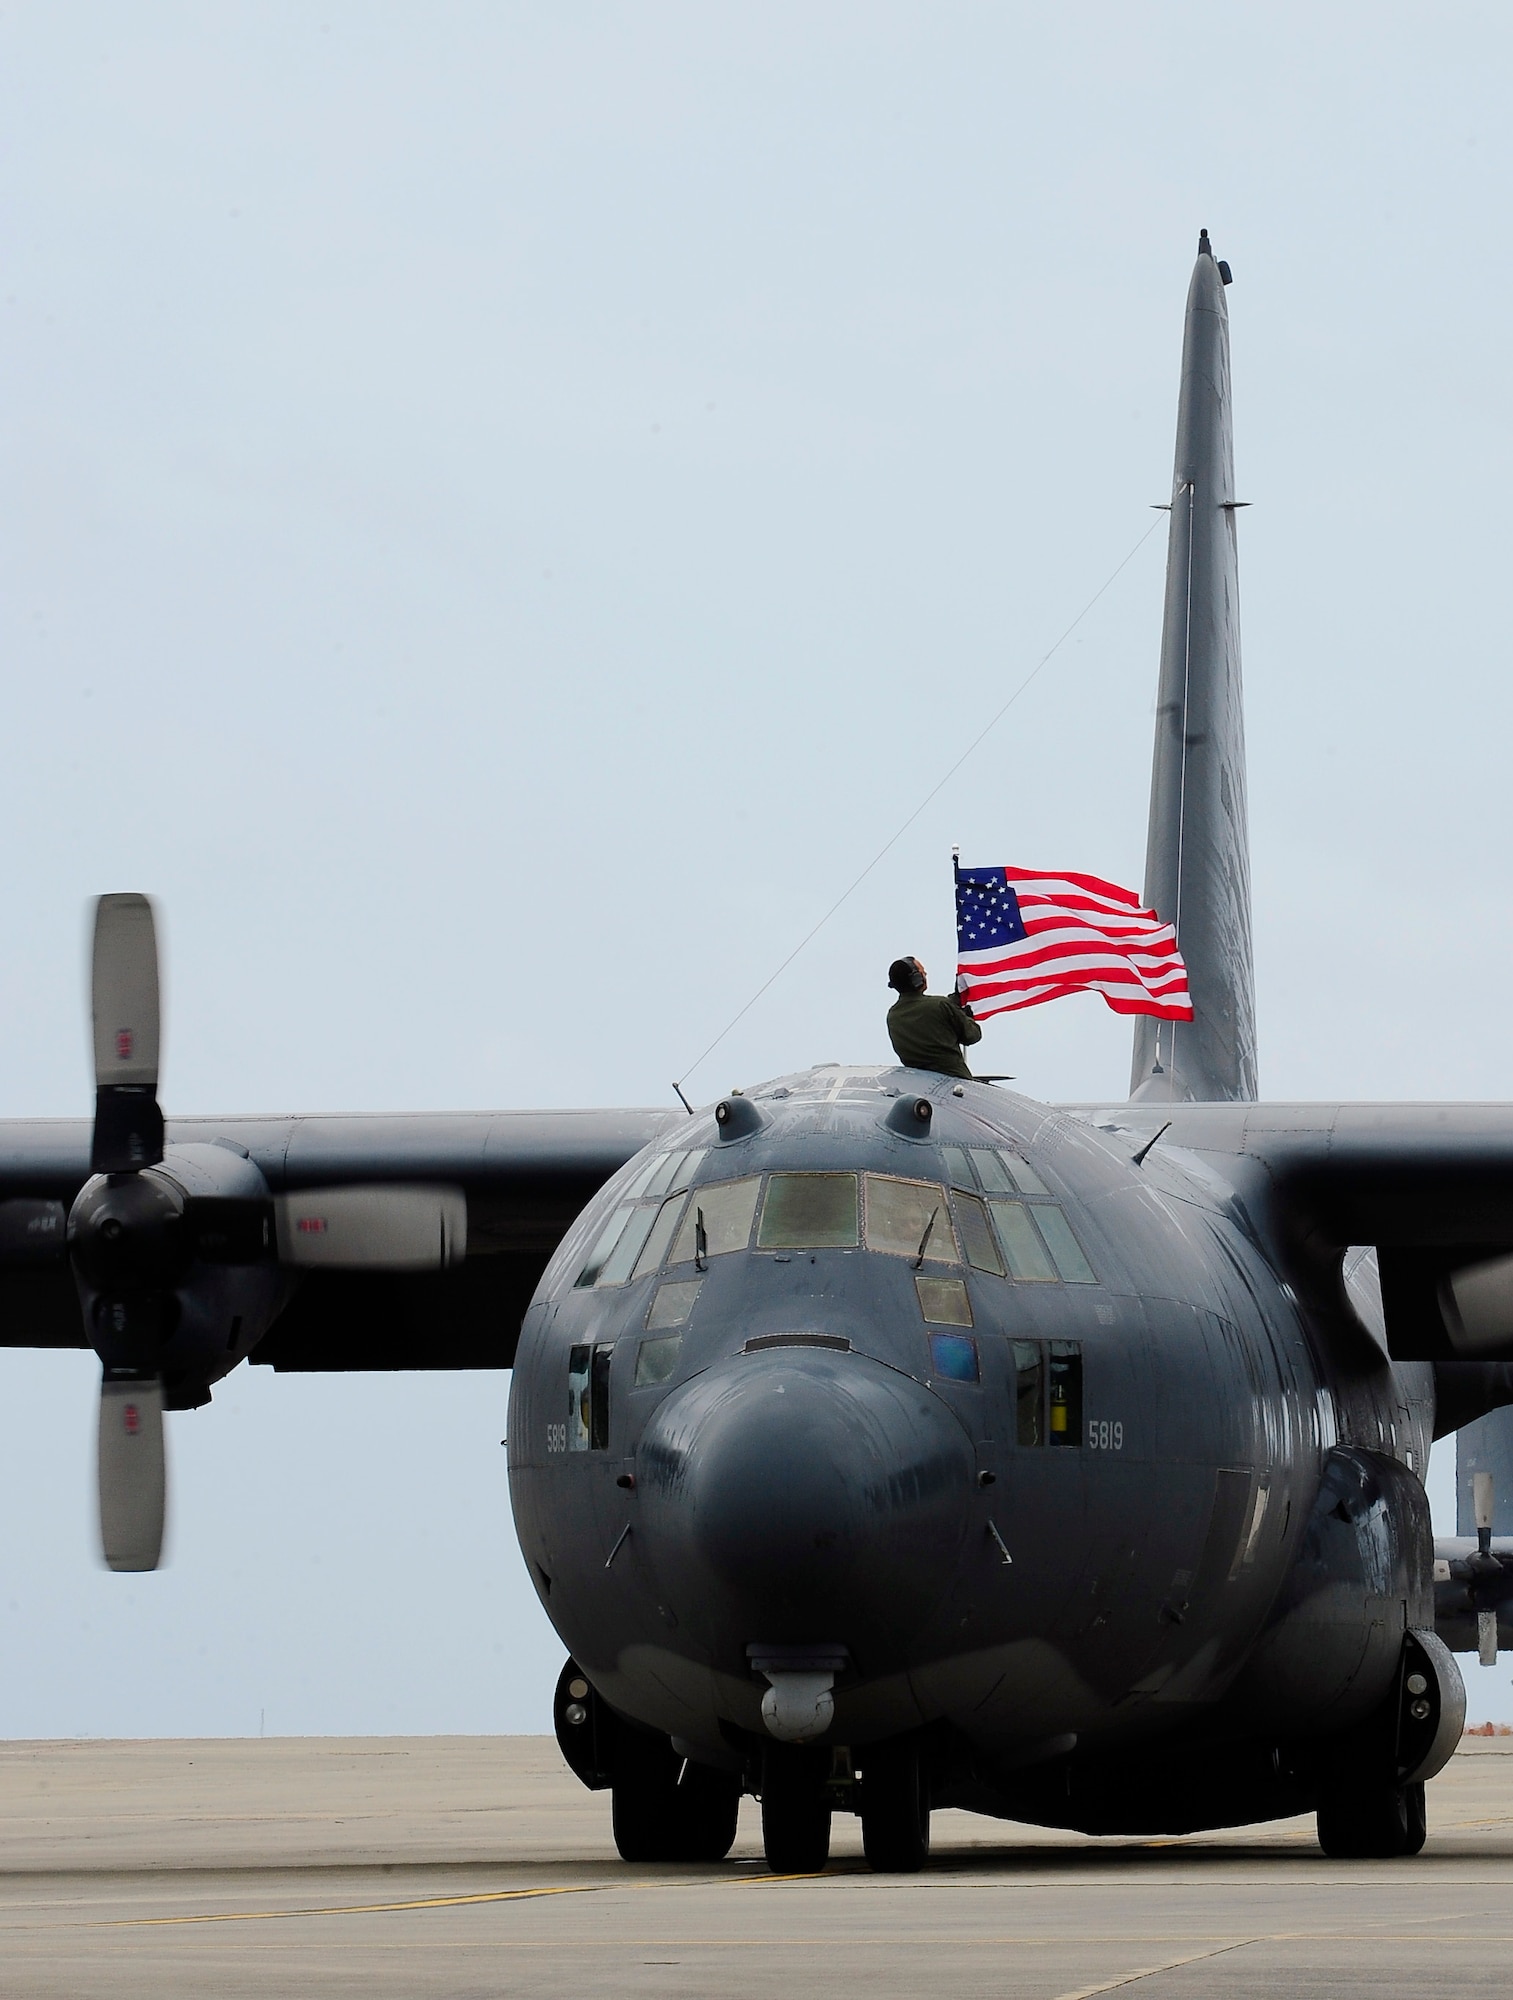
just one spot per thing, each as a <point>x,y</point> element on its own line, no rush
<point>1429,1185</point>
<point>525,1176</point>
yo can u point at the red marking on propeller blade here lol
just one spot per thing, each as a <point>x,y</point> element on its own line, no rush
<point>133,1420</point>
<point>311,1225</point>
<point>124,1042</point>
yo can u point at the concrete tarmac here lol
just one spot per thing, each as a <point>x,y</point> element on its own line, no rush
<point>421,1867</point>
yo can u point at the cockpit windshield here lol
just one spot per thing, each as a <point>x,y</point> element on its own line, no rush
<point>909,1219</point>
<point>1008,1225</point>
<point>809,1212</point>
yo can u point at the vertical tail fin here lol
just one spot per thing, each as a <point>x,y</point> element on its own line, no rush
<point>1197,857</point>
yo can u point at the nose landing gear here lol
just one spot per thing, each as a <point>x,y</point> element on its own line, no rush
<point>895,1807</point>
<point>795,1808</point>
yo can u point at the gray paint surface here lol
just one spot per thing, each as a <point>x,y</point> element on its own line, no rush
<point>1197,857</point>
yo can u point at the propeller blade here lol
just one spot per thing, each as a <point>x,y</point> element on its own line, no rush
<point>133,1475</point>
<point>128,1124</point>
<point>33,1232</point>
<point>372,1228</point>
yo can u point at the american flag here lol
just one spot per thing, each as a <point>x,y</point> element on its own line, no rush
<point>1023,937</point>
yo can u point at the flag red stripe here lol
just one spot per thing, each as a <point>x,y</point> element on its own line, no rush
<point>1083,935</point>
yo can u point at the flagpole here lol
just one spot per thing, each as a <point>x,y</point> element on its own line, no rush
<point>956,914</point>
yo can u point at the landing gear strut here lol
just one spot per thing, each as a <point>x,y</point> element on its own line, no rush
<point>895,1789</point>
<point>795,1810</point>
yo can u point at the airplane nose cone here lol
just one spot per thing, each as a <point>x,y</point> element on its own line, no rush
<point>797,1495</point>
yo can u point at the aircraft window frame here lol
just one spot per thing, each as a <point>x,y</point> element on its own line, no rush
<point>620,1264</point>
<point>953,1357</point>
<point>992,1170</point>
<point>675,1172</point>
<point>639,1181</point>
<point>1024,1175</point>
<point>660,1236</point>
<point>800,1234</point>
<point>975,1232</point>
<point>1067,1254</point>
<point>657,1360</point>
<point>1001,1171</point>
<point>942,1247</point>
<point>943,1301</point>
<point>672,1303</point>
<point>957,1162</point>
<point>708,1200</point>
<point>604,1247</point>
<point>1020,1241</point>
<point>588,1368</point>
<point>1029,1394</point>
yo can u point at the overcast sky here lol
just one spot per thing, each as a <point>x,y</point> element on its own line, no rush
<point>503,511</point>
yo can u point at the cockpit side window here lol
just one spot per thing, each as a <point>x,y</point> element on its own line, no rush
<point>1071,1265</point>
<point>1023,1250</point>
<point>659,1236</point>
<point>604,1244</point>
<point>809,1212</point>
<point>977,1235</point>
<point>992,1171</point>
<point>676,1171</point>
<point>1023,1174</point>
<point>1003,1172</point>
<point>716,1220</point>
<point>617,1265</point>
<point>909,1219</point>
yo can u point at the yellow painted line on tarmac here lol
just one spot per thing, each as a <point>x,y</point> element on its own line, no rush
<point>445,1902</point>
<point>374,1909</point>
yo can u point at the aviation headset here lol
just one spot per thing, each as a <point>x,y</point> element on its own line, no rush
<point>904,976</point>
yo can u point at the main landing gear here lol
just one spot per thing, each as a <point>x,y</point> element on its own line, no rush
<point>667,1808</point>
<point>1371,1798</point>
<point>1372,1821</point>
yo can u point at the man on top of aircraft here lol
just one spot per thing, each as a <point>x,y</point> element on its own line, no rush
<point>928,1030</point>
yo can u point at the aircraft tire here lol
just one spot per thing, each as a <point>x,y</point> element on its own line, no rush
<point>895,1808</point>
<point>666,1810</point>
<point>795,1813</point>
<point>1373,1822</point>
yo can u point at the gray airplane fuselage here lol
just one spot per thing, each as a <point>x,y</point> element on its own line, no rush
<point>1042,1517</point>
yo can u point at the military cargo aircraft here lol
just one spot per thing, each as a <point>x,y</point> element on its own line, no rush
<point>878,1441</point>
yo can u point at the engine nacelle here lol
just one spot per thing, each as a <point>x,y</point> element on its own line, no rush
<point>175,1267</point>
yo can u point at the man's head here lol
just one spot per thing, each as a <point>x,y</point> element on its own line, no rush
<point>906,975</point>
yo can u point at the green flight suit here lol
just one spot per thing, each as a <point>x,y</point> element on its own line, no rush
<point>927,1031</point>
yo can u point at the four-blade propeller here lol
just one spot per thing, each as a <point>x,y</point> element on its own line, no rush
<point>181,1254</point>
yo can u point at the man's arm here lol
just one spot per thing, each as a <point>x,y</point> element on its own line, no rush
<point>965,1029</point>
